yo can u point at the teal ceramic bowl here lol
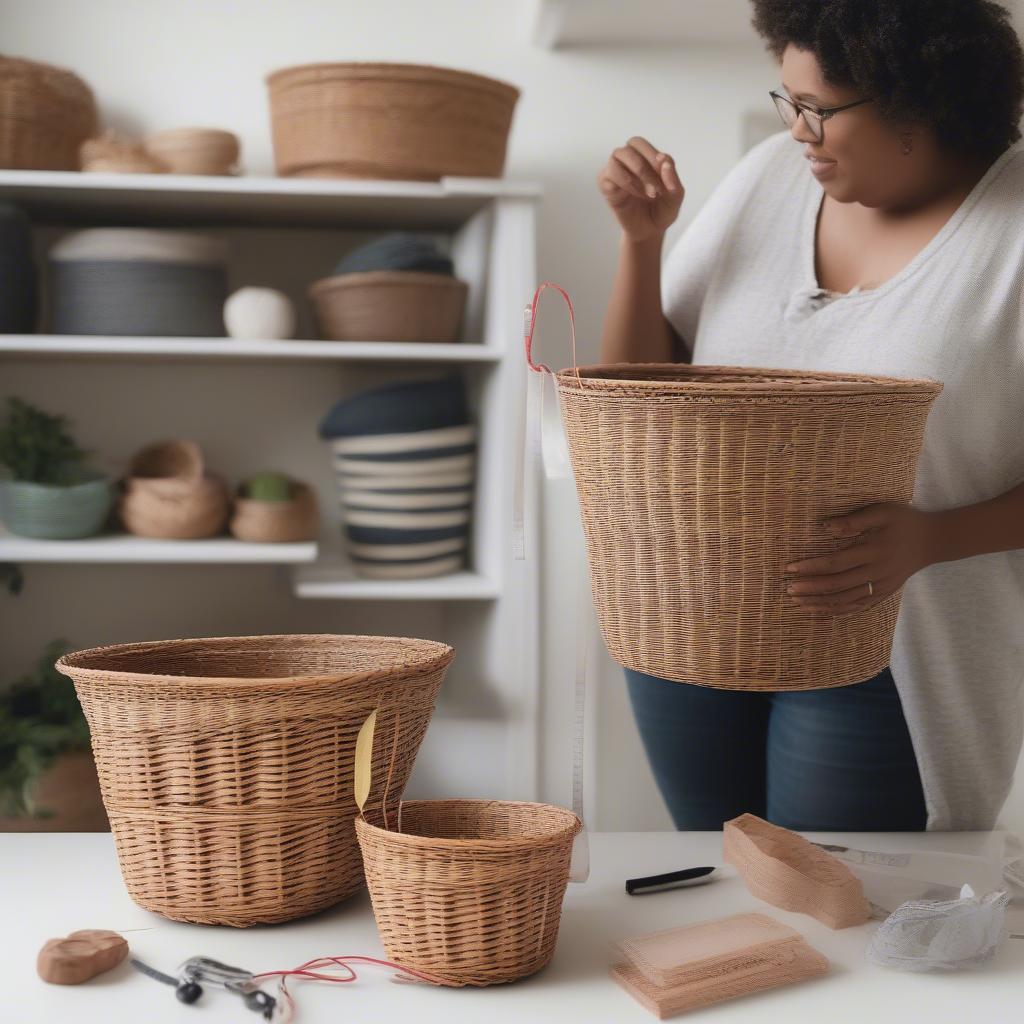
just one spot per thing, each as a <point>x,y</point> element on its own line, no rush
<point>55,511</point>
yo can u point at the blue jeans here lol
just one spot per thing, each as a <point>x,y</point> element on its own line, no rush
<point>839,759</point>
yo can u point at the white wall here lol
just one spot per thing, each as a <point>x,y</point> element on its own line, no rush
<point>159,64</point>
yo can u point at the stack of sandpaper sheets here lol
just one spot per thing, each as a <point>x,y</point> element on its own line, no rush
<point>685,968</point>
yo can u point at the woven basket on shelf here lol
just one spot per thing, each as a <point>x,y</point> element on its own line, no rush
<point>168,495</point>
<point>389,305</point>
<point>698,484</point>
<point>226,764</point>
<point>469,891</point>
<point>399,121</point>
<point>195,150</point>
<point>277,522</point>
<point>45,115</point>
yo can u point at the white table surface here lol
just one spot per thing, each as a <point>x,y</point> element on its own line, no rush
<point>53,884</point>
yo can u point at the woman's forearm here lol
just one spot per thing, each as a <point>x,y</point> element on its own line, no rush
<point>635,327</point>
<point>981,529</point>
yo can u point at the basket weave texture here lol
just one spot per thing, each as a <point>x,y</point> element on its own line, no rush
<point>469,891</point>
<point>46,113</point>
<point>406,122</point>
<point>698,484</point>
<point>226,764</point>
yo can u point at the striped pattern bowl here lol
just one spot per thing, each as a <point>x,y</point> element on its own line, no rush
<point>406,500</point>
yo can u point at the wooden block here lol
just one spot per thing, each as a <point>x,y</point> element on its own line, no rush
<point>80,956</point>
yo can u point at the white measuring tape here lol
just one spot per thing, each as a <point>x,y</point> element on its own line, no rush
<point>542,438</point>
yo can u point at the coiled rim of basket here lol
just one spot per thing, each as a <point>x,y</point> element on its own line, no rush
<point>634,379</point>
<point>424,656</point>
<point>557,836</point>
<point>390,71</point>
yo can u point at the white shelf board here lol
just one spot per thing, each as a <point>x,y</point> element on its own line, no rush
<point>93,346</point>
<point>568,23</point>
<point>77,197</point>
<point>128,549</point>
<point>336,580</point>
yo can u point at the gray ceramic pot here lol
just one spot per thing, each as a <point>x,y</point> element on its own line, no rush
<point>55,511</point>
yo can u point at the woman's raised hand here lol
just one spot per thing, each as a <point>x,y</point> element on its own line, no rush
<point>642,188</point>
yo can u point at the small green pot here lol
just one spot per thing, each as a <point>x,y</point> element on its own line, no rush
<point>55,511</point>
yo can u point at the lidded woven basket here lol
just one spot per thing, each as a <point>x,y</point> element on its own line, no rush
<point>699,484</point>
<point>409,122</point>
<point>226,764</point>
<point>469,891</point>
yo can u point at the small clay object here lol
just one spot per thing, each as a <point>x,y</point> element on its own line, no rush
<point>80,956</point>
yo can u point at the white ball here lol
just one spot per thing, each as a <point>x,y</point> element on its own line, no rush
<point>259,313</point>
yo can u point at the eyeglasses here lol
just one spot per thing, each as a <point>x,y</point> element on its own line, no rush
<point>814,117</point>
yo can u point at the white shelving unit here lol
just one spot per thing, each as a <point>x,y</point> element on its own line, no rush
<point>124,548</point>
<point>89,347</point>
<point>255,400</point>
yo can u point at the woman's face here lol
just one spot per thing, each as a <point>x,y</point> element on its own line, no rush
<point>860,158</point>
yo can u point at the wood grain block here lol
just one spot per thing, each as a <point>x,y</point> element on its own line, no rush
<point>80,956</point>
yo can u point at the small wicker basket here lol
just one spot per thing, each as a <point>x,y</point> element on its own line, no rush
<point>277,522</point>
<point>195,150</point>
<point>226,764</point>
<point>469,891</point>
<point>406,122</point>
<point>46,113</point>
<point>389,305</point>
<point>168,495</point>
<point>698,484</point>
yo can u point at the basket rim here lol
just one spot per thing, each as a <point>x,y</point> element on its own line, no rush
<point>396,69</point>
<point>607,376</point>
<point>379,278</point>
<point>573,825</point>
<point>434,655</point>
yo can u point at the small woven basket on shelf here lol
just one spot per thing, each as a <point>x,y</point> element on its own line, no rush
<point>167,494</point>
<point>195,150</point>
<point>277,522</point>
<point>698,484</point>
<point>389,305</point>
<point>469,891</point>
<point>46,113</point>
<point>226,764</point>
<point>407,122</point>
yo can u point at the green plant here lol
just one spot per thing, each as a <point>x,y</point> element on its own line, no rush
<point>40,718</point>
<point>36,446</point>
<point>268,486</point>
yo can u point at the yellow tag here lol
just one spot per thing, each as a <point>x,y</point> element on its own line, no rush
<point>364,758</point>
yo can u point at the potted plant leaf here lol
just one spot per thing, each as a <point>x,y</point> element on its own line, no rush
<point>47,775</point>
<point>50,492</point>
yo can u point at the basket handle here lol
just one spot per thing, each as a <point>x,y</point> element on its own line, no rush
<point>530,324</point>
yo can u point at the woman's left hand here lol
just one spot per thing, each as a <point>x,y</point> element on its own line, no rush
<point>893,541</point>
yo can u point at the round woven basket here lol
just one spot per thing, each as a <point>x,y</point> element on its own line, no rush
<point>168,495</point>
<point>469,891</point>
<point>698,484</point>
<point>389,305</point>
<point>46,113</point>
<point>399,121</point>
<point>226,764</point>
<point>277,522</point>
<point>195,150</point>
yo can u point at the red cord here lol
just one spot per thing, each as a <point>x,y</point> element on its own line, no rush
<point>531,324</point>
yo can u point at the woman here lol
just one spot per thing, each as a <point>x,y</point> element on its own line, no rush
<point>881,234</point>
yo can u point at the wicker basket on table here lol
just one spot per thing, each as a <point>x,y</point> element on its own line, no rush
<point>226,764</point>
<point>698,484</point>
<point>46,113</point>
<point>469,891</point>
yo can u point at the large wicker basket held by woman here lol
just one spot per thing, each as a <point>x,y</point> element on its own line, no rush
<point>879,234</point>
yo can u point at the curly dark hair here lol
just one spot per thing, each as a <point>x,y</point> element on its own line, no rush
<point>954,65</point>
